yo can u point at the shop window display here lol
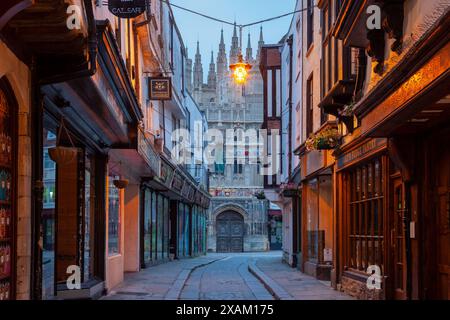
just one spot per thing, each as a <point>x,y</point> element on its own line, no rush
<point>114,221</point>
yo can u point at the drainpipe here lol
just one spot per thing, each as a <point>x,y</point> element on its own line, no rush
<point>92,48</point>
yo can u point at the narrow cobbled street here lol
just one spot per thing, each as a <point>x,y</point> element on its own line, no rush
<point>244,276</point>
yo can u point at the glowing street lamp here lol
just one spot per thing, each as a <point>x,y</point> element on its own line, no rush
<point>240,70</point>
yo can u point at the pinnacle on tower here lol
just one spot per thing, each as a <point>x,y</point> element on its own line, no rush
<point>249,52</point>
<point>198,69</point>
<point>260,43</point>
<point>188,72</point>
<point>222,61</point>
<point>212,78</point>
<point>235,50</point>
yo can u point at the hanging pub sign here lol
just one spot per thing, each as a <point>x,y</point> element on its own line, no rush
<point>127,9</point>
<point>160,88</point>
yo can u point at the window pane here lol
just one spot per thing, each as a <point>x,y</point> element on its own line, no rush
<point>160,228</point>
<point>147,225</point>
<point>113,218</point>
<point>89,218</point>
<point>153,226</point>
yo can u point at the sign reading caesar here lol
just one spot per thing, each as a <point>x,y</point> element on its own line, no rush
<point>127,8</point>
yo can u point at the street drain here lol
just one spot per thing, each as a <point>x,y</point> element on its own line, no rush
<point>127,293</point>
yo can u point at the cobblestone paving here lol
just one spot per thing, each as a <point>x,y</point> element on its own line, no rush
<point>297,284</point>
<point>222,277</point>
<point>227,279</point>
<point>154,283</point>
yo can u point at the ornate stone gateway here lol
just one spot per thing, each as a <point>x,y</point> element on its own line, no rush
<point>230,232</point>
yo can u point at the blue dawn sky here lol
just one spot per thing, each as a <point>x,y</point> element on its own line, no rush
<point>195,27</point>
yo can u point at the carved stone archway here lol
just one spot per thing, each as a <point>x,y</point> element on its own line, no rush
<point>230,232</point>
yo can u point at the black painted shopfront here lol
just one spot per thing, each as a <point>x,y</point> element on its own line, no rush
<point>173,215</point>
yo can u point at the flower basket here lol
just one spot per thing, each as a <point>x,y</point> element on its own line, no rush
<point>121,183</point>
<point>289,190</point>
<point>347,110</point>
<point>63,155</point>
<point>325,140</point>
<point>260,195</point>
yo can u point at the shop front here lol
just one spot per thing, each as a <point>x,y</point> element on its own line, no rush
<point>275,229</point>
<point>8,189</point>
<point>365,178</point>
<point>317,213</point>
<point>394,173</point>
<point>86,134</point>
<point>173,216</point>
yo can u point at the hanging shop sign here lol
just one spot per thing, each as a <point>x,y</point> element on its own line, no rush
<point>160,88</point>
<point>127,9</point>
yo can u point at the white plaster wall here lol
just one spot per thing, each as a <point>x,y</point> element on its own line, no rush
<point>311,65</point>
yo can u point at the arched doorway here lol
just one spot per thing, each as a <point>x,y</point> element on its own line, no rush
<point>230,232</point>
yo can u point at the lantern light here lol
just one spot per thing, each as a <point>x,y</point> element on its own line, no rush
<point>240,70</point>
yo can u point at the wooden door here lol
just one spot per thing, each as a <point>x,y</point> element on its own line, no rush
<point>398,240</point>
<point>230,232</point>
<point>442,215</point>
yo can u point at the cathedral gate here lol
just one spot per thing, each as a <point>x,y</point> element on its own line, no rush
<point>230,232</point>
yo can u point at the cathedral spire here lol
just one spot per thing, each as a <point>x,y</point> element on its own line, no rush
<point>222,40</point>
<point>235,50</point>
<point>198,69</point>
<point>249,52</point>
<point>222,61</point>
<point>260,43</point>
<point>212,78</point>
<point>188,72</point>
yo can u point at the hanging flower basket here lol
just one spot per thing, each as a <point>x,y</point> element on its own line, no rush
<point>347,110</point>
<point>121,183</point>
<point>325,140</point>
<point>289,190</point>
<point>260,195</point>
<point>63,155</point>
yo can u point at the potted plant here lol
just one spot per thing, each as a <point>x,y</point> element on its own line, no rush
<point>327,139</point>
<point>346,115</point>
<point>347,110</point>
<point>260,195</point>
<point>289,189</point>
